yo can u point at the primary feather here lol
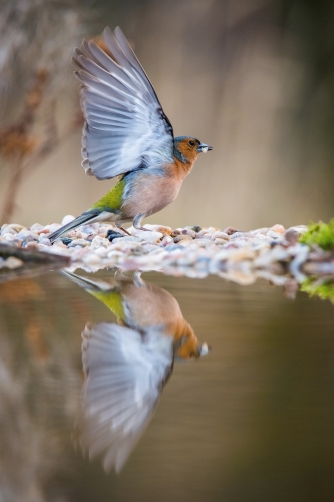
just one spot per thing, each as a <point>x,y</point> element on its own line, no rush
<point>125,127</point>
<point>126,371</point>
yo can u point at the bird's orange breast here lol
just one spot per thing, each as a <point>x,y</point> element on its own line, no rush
<point>149,193</point>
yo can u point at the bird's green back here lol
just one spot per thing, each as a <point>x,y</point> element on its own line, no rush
<point>112,300</point>
<point>113,199</point>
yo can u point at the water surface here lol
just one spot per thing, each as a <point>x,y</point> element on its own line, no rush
<point>252,420</point>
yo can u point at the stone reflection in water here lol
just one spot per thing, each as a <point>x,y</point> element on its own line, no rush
<point>126,365</point>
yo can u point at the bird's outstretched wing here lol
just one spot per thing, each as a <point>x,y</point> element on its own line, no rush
<point>125,126</point>
<point>125,374</point>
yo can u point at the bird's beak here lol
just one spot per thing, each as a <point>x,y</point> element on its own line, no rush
<point>204,349</point>
<point>203,147</point>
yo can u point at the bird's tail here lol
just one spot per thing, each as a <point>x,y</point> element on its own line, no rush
<point>77,222</point>
<point>88,284</point>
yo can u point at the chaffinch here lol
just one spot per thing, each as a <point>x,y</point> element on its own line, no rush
<point>127,365</point>
<point>127,134</point>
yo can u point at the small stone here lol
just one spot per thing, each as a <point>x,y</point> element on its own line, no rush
<point>173,247</point>
<point>12,262</point>
<point>236,235</point>
<point>101,251</point>
<point>43,247</point>
<point>66,240</point>
<point>79,242</point>
<point>230,230</point>
<point>203,242</point>
<point>188,231</point>
<point>180,238</point>
<point>273,234</point>
<point>167,239</point>
<point>278,228</point>
<point>8,237</point>
<point>147,236</point>
<point>160,228</point>
<point>291,236</point>
<point>67,219</point>
<point>32,245</point>
<point>99,241</point>
<point>126,239</point>
<point>91,259</point>
<point>103,230</point>
<point>111,235</point>
<point>220,235</point>
<point>195,228</point>
<point>50,228</point>
<point>27,235</point>
<point>45,241</point>
<point>16,227</point>
<point>36,227</point>
<point>57,244</point>
<point>220,241</point>
<point>8,230</point>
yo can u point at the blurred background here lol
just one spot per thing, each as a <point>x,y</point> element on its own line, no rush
<point>253,78</point>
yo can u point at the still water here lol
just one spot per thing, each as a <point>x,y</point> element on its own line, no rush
<point>85,363</point>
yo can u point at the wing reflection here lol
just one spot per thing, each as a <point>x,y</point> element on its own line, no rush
<point>126,371</point>
<point>127,364</point>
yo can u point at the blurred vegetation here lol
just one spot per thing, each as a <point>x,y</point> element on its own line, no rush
<point>322,289</point>
<point>321,234</point>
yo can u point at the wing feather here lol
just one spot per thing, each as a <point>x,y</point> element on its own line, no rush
<point>124,120</point>
<point>125,373</point>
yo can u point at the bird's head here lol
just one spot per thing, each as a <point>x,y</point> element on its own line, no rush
<point>186,148</point>
<point>186,345</point>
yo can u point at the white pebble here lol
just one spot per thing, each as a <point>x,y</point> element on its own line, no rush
<point>8,230</point>
<point>67,219</point>
<point>91,259</point>
<point>45,241</point>
<point>36,227</point>
<point>12,262</point>
<point>147,236</point>
<point>79,242</point>
<point>99,241</point>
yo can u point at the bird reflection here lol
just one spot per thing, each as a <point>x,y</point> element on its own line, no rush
<point>126,365</point>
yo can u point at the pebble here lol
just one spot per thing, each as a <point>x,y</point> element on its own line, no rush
<point>97,242</point>
<point>45,241</point>
<point>220,235</point>
<point>148,236</point>
<point>78,242</point>
<point>192,251</point>
<point>67,219</point>
<point>8,230</point>
<point>27,235</point>
<point>36,227</point>
<point>181,238</point>
<point>50,228</point>
<point>12,262</point>
<point>7,238</point>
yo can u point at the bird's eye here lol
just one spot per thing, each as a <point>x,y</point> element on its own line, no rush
<point>191,143</point>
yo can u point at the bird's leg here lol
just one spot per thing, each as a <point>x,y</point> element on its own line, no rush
<point>122,228</point>
<point>138,281</point>
<point>137,221</point>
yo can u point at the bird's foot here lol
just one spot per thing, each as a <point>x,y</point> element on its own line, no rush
<point>138,281</point>
<point>124,230</point>
<point>143,228</point>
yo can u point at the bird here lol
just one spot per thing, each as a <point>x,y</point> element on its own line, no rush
<point>139,304</point>
<point>127,365</point>
<point>126,134</point>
